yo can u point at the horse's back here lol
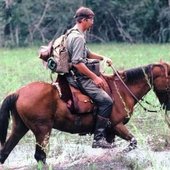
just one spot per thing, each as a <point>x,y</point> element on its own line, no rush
<point>35,97</point>
<point>34,88</point>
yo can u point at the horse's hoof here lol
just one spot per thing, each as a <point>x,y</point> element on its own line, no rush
<point>41,164</point>
<point>129,148</point>
<point>41,159</point>
<point>113,145</point>
<point>2,160</point>
<point>44,161</point>
<point>132,145</point>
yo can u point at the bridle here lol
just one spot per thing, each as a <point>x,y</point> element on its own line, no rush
<point>167,89</point>
<point>165,67</point>
<point>149,78</point>
<point>167,79</point>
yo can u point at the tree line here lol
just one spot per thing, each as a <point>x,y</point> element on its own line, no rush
<point>31,22</point>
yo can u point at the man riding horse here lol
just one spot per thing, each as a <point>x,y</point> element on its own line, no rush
<point>87,81</point>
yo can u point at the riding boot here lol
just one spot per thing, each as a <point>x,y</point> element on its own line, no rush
<point>100,134</point>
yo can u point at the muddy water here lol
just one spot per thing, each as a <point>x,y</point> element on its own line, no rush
<point>74,156</point>
<point>22,156</point>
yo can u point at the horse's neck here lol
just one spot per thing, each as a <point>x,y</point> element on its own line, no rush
<point>139,88</point>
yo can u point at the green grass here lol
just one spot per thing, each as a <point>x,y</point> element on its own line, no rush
<point>21,66</point>
<point>127,55</point>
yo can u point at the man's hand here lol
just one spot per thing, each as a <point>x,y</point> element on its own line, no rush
<point>82,68</point>
<point>99,82</point>
<point>109,62</point>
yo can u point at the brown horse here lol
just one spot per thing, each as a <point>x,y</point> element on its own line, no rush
<point>39,108</point>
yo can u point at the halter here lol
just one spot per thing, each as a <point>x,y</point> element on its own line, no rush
<point>165,67</point>
<point>167,87</point>
<point>150,84</point>
<point>167,105</point>
<point>167,79</point>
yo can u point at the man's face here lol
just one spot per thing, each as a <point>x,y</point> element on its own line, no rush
<point>89,22</point>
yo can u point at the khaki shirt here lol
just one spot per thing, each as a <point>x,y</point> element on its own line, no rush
<point>76,45</point>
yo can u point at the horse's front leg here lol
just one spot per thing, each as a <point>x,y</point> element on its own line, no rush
<point>121,131</point>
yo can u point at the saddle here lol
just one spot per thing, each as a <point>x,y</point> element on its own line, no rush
<point>77,102</point>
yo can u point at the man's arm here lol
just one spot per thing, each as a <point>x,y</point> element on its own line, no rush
<point>93,55</point>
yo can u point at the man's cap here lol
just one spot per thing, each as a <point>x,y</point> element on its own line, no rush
<point>84,12</point>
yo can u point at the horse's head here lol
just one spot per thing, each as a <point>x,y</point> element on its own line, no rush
<point>161,82</point>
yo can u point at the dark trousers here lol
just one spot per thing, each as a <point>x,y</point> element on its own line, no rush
<point>99,96</point>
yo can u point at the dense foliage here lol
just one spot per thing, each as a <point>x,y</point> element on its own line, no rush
<point>28,22</point>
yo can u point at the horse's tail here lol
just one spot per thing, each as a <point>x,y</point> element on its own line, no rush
<point>8,105</point>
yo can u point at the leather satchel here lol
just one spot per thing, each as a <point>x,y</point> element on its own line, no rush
<point>94,66</point>
<point>45,52</point>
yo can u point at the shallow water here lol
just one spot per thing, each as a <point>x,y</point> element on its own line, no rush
<point>79,156</point>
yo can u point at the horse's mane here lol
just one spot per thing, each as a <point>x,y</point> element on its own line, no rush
<point>136,73</point>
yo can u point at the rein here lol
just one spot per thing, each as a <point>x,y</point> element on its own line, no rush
<point>145,109</point>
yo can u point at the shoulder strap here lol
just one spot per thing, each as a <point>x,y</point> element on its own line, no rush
<point>78,83</point>
<point>70,31</point>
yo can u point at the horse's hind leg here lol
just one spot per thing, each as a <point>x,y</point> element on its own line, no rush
<point>18,131</point>
<point>42,133</point>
